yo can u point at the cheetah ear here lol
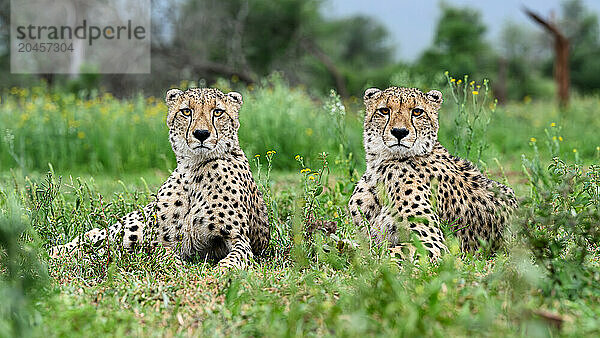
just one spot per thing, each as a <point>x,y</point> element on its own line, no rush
<point>235,98</point>
<point>172,95</point>
<point>435,96</point>
<point>371,93</point>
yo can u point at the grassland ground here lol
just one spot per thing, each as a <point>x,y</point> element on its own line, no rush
<point>321,277</point>
<point>311,285</point>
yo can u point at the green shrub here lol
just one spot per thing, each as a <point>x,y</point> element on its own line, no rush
<point>22,276</point>
<point>560,221</point>
<point>277,117</point>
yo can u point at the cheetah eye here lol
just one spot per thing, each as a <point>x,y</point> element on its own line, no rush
<point>417,112</point>
<point>218,112</point>
<point>383,111</point>
<point>186,111</point>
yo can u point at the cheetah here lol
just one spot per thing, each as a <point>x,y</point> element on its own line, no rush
<point>412,183</point>
<point>210,206</point>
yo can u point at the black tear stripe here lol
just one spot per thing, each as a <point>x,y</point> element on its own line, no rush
<point>412,123</point>
<point>187,131</point>
<point>389,116</point>
<point>216,130</point>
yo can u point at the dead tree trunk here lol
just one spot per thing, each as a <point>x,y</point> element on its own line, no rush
<point>561,57</point>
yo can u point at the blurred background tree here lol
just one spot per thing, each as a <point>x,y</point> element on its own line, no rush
<point>519,73</point>
<point>459,45</point>
<point>246,40</point>
<point>581,27</point>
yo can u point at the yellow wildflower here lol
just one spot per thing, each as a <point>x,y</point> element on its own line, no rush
<point>475,92</point>
<point>73,123</point>
<point>305,170</point>
<point>80,135</point>
<point>25,117</point>
<point>452,80</point>
<point>257,156</point>
<point>553,138</point>
<point>552,124</point>
<point>560,138</point>
<point>574,150</point>
<point>459,81</point>
<point>297,158</point>
<point>311,178</point>
<point>471,83</point>
<point>532,139</point>
<point>49,106</point>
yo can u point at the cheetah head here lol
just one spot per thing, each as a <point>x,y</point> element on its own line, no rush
<point>203,123</point>
<point>400,122</point>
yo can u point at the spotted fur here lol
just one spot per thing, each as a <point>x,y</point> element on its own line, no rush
<point>210,206</point>
<point>412,182</point>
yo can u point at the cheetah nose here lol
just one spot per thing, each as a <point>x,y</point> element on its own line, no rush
<point>201,134</point>
<point>399,133</point>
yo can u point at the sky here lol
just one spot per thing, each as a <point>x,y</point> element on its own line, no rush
<point>412,23</point>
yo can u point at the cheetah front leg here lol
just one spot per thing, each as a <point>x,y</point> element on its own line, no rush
<point>239,255</point>
<point>364,203</point>
<point>395,229</point>
<point>131,227</point>
<point>93,238</point>
<point>409,206</point>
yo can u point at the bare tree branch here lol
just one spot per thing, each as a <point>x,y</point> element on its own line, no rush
<point>204,67</point>
<point>561,52</point>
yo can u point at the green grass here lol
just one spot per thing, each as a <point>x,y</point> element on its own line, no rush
<point>99,134</point>
<point>309,284</point>
<point>305,289</point>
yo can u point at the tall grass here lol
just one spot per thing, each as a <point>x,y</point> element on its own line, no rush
<point>98,133</point>
<point>94,132</point>
<point>22,276</point>
<point>289,121</point>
